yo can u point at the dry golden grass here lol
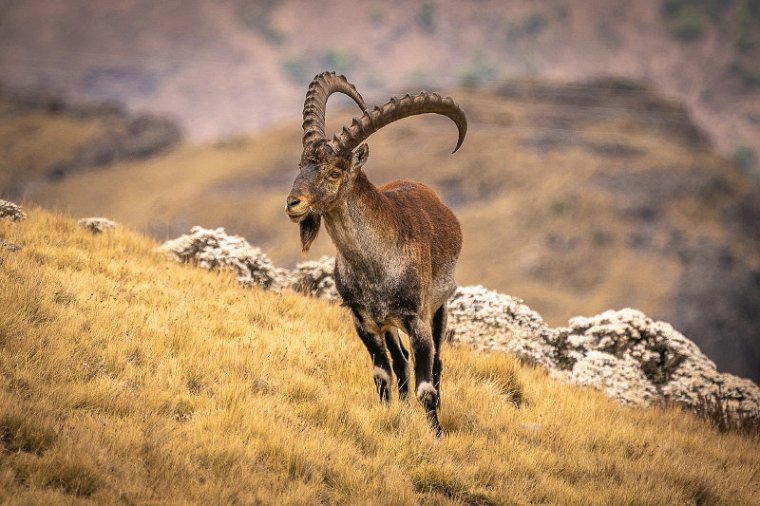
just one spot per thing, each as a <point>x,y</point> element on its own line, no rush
<point>125,378</point>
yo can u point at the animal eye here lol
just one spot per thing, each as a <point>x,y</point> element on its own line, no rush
<point>334,174</point>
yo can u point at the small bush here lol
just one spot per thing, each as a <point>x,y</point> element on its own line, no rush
<point>687,25</point>
<point>747,63</point>
<point>97,225</point>
<point>711,9</point>
<point>534,24</point>
<point>296,70</point>
<point>420,79</point>
<point>11,211</point>
<point>726,419</point>
<point>339,61</point>
<point>747,40</point>
<point>426,17</point>
<point>26,433</point>
<point>670,8</point>
<point>530,26</point>
<point>376,16</point>
<point>256,16</point>
<point>745,157</point>
<point>477,72</point>
<point>748,71</point>
<point>687,20</point>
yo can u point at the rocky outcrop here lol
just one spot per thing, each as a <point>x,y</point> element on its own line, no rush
<point>632,358</point>
<point>315,278</point>
<point>11,211</point>
<point>97,225</point>
<point>213,249</point>
<point>609,97</point>
<point>124,138</point>
<point>9,246</point>
<point>637,360</point>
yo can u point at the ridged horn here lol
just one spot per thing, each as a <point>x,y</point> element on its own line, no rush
<point>322,86</point>
<point>395,109</point>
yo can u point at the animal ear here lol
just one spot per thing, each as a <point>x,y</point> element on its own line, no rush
<point>359,156</point>
<point>309,228</point>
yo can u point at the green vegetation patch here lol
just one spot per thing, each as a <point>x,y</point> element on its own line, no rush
<point>257,17</point>
<point>687,20</point>
<point>426,17</point>
<point>746,64</point>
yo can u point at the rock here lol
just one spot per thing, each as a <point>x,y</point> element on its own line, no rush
<point>603,98</point>
<point>618,378</point>
<point>639,361</point>
<point>632,358</point>
<point>97,225</point>
<point>485,319</point>
<point>9,246</point>
<point>127,138</point>
<point>315,278</point>
<point>215,250</point>
<point>11,211</point>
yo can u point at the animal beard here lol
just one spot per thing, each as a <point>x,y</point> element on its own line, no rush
<point>309,227</point>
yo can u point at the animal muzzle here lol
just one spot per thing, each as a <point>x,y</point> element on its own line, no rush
<point>296,207</point>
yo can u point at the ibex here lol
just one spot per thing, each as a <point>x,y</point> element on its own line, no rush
<point>397,244</point>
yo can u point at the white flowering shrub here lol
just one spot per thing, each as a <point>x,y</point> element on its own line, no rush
<point>97,225</point>
<point>315,278</point>
<point>11,211</point>
<point>213,249</point>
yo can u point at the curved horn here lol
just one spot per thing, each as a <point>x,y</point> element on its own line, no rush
<point>395,109</point>
<point>322,86</point>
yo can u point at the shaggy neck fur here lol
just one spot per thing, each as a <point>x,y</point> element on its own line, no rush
<point>358,224</point>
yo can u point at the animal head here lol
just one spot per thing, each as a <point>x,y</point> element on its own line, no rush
<point>328,168</point>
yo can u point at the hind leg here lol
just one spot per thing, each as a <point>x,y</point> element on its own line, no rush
<point>400,357</point>
<point>421,337</point>
<point>439,329</point>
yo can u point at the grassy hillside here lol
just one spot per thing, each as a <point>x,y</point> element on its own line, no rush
<point>128,378</point>
<point>576,200</point>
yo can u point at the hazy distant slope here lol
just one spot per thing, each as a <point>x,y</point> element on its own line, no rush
<point>229,67</point>
<point>125,377</point>
<point>614,202</point>
<point>44,137</point>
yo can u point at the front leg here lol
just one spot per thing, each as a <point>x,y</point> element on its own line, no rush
<point>400,358</point>
<point>382,367</point>
<point>423,347</point>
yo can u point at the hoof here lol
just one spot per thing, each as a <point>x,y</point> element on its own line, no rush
<point>432,417</point>
<point>428,396</point>
<point>382,382</point>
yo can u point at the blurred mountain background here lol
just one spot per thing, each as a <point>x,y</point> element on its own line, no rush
<point>611,159</point>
